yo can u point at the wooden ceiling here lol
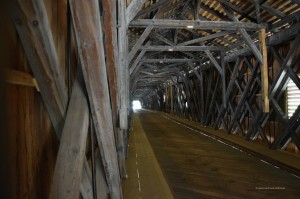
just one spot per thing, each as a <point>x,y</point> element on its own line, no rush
<point>166,35</point>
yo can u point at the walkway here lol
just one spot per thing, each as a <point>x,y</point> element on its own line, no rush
<point>196,166</point>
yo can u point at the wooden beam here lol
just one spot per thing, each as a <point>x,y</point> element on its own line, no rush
<point>182,48</point>
<point>213,60</point>
<point>71,154</point>
<point>264,71</point>
<point>206,25</point>
<point>152,7</point>
<point>205,38</point>
<point>245,35</point>
<point>142,38</point>
<point>136,62</point>
<point>163,39</point>
<point>280,37</point>
<point>31,21</point>
<point>169,60</point>
<point>134,7</point>
<point>102,189</point>
<point>20,78</point>
<point>139,43</point>
<point>296,2</point>
<point>86,189</point>
<point>88,32</point>
<point>123,71</point>
<point>111,49</point>
<point>284,35</point>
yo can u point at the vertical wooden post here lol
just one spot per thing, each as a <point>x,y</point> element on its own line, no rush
<point>223,76</point>
<point>122,73</point>
<point>264,71</point>
<point>171,90</point>
<point>111,49</point>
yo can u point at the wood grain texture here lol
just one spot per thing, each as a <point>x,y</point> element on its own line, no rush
<point>88,31</point>
<point>71,154</point>
<point>31,22</point>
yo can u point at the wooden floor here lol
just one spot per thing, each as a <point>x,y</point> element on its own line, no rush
<point>196,166</point>
<point>145,177</point>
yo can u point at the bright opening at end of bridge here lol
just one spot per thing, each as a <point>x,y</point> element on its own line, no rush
<point>136,105</point>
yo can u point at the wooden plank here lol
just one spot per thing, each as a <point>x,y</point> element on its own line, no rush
<point>31,22</point>
<point>102,189</point>
<point>134,7</point>
<point>111,49</point>
<point>71,154</point>
<point>193,24</point>
<point>88,31</point>
<point>86,189</point>
<point>264,71</point>
<point>123,71</point>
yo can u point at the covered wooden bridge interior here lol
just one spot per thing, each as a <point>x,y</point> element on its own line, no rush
<point>70,70</point>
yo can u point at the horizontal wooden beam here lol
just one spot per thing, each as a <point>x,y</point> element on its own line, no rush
<point>20,78</point>
<point>170,60</point>
<point>192,24</point>
<point>182,48</point>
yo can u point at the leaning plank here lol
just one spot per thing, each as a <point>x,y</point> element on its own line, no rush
<point>86,182</point>
<point>134,7</point>
<point>88,31</point>
<point>102,190</point>
<point>69,162</point>
<point>31,21</point>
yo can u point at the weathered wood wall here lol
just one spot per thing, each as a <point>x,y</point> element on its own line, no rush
<point>31,142</point>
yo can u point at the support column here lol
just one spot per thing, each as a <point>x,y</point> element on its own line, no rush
<point>264,71</point>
